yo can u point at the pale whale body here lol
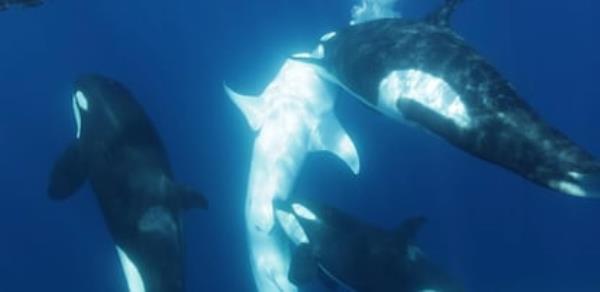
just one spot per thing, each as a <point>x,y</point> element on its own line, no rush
<point>341,250</point>
<point>118,150</point>
<point>293,117</point>
<point>423,72</point>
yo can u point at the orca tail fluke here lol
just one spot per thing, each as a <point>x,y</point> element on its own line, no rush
<point>591,185</point>
<point>583,185</point>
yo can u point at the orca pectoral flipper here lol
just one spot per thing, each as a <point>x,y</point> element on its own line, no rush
<point>303,267</point>
<point>68,174</point>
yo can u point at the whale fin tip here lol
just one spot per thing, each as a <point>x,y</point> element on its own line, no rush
<point>251,107</point>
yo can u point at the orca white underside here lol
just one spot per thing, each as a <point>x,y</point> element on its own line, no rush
<point>132,274</point>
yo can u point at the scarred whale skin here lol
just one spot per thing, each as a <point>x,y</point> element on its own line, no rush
<point>425,73</point>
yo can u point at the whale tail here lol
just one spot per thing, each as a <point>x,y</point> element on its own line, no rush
<point>591,184</point>
<point>584,184</point>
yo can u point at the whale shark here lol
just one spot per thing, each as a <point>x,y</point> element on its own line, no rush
<point>424,73</point>
<point>293,117</point>
<point>342,251</point>
<point>118,150</point>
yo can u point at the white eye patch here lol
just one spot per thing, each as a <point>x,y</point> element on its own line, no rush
<point>82,101</point>
<point>304,212</point>
<point>77,116</point>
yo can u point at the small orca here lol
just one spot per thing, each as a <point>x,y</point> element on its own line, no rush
<point>4,4</point>
<point>343,252</point>
<point>120,152</point>
<point>423,72</point>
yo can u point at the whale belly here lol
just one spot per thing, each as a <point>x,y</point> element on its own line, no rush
<point>428,90</point>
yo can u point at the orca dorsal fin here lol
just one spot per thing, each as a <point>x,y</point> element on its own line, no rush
<point>68,174</point>
<point>442,16</point>
<point>330,136</point>
<point>251,106</point>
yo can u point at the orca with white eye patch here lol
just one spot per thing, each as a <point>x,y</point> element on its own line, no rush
<point>423,72</point>
<point>340,250</point>
<point>118,150</point>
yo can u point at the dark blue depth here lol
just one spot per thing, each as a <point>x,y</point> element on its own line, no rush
<point>491,229</point>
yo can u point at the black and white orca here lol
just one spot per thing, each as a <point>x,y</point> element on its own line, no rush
<point>118,150</point>
<point>424,72</point>
<point>4,4</point>
<point>344,252</point>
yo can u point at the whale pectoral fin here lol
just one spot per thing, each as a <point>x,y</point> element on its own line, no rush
<point>330,136</point>
<point>429,119</point>
<point>303,267</point>
<point>190,198</point>
<point>251,107</point>
<point>68,174</point>
<point>328,281</point>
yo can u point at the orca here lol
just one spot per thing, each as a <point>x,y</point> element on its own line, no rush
<point>423,72</point>
<point>118,150</point>
<point>342,251</point>
<point>293,117</point>
<point>4,4</point>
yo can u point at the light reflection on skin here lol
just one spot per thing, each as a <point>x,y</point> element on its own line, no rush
<point>293,116</point>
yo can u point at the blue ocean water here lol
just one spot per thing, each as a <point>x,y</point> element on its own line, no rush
<point>491,229</point>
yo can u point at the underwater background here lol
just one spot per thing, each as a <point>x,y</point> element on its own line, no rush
<point>489,228</point>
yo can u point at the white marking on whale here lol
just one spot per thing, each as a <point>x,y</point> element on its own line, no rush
<point>424,88</point>
<point>293,116</point>
<point>81,100</point>
<point>77,116</point>
<point>292,227</point>
<point>328,36</point>
<point>304,212</point>
<point>132,274</point>
<point>569,188</point>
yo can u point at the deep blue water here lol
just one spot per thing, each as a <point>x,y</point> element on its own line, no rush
<point>490,228</point>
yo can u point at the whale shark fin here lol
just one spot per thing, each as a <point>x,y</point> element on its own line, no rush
<point>410,227</point>
<point>251,107</point>
<point>330,136</point>
<point>303,267</point>
<point>442,16</point>
<point>190,198</point>
<point>68,174</point>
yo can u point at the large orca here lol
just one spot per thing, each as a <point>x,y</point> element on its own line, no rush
<point>120,152</point>
<point>343,251</point>
<point>423,72</point>
<point>4,4</point>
